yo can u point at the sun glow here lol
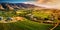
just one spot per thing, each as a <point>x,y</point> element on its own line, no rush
<point>46,3</point>
<point>49,3</point>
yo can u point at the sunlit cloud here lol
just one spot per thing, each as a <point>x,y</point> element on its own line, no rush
<point>48,4</point>
<point>41,3</point>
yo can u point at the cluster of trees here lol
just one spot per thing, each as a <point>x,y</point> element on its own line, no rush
<point>23,13</point>
<point>7,14</point>
<point>44,15</point>
<point>36,15</point>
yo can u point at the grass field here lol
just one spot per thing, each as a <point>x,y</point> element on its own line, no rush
<point>57,28</point>
<point>24,25</point>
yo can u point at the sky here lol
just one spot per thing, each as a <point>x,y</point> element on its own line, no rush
<point>41,3</point>
<point>17,1</point>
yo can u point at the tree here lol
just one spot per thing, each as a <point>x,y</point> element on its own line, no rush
<point>55,14</point>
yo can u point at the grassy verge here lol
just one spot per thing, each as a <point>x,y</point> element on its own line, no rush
<point>24,25</point>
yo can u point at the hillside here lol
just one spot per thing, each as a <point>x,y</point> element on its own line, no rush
<point>15,6</point>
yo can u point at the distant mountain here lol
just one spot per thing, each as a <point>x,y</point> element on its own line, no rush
<point>12,6</point>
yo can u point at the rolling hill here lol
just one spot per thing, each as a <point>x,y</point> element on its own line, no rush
<point>12,6</point>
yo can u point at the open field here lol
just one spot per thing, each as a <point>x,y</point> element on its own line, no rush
<point>32,21</point>
<point>24,25</point>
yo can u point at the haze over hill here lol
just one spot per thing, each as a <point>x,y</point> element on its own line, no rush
<point>25,5</point>
<point>49,3</point>
<point>54,4</point>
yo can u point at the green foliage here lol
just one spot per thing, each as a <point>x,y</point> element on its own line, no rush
<point>23,12</point>
<point>26,24</point>
<point>40,14</point>
<point>7,13</point>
